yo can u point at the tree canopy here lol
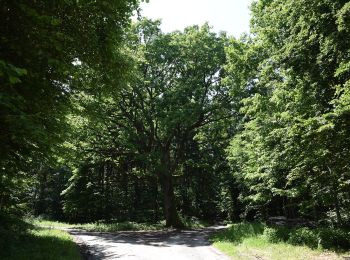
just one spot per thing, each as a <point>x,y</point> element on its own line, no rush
<point>106,119</point>
<point>291,151</point>
<point>41,44</point>
<point>176,90</point>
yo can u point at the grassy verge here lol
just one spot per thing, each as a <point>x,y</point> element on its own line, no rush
<point>20,240</point>
<point>257,241</point>
<point>122,226</point>
<point>101,227</point>
<point>116,226</point>
<point>50,223</point>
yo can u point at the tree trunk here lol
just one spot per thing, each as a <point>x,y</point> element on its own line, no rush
<point>337,208</point>
<point>165,176</point>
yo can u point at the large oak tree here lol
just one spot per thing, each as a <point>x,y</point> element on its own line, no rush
<point>175,90</point>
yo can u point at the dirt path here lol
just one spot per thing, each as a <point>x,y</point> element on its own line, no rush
<point>153,245</point>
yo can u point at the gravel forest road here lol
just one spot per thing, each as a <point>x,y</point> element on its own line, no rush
<point>149,245</point>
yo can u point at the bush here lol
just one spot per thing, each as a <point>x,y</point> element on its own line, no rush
<point>334,238</point>
<point>276,234</point>
<point>238,232</point>
<point>271,235</point>
<point>325,238</point>
<point>304,236</point>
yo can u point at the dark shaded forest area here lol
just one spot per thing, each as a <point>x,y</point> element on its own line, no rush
<point>105,119</point>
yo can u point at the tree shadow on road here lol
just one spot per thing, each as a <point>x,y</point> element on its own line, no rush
<point>102,241</point>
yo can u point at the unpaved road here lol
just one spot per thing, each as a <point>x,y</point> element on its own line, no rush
<point>152,245</point>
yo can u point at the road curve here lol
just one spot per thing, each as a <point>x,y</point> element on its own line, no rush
<point>150,245</point>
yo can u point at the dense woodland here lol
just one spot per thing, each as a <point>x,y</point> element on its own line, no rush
<point>105,119</point>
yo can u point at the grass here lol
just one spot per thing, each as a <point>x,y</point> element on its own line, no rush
<point>122,226</point>
<point>194,223</point>
<point>116,226</point>
<point>254,241</point>
<point>20,240</point>
<point>100,226</point>
<point>35,239</point>
<point>49,223</point>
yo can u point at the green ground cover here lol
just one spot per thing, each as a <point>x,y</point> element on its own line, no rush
<point>256,240</point>
<point>20,240</point>
<point>116,226</point>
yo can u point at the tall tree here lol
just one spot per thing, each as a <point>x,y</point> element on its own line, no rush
<point>42,42</point>
<point>295,136</point>
<point>177,89</point>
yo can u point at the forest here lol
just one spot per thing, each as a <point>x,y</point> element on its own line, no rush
<point>104,118</point>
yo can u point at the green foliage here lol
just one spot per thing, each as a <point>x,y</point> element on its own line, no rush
<point>194,223</point>
<point>21,240</point>
<point>11,229</point>
<point>107,191</point>
<point>118,191</point>
<point>260,236</point>
<point>209,126</point>
<point>238,232</point>
<point>276,234</point>
<point>326,238</point>
<point>257,247</point>
<point>42,45</point>
<point>148,125</point>
<point>322,238</point>
<point>303,236</point>
<point>47,197</point>
<point>333,238</point>
<point>293,136</point>
<point>121,226</point>
<point>42,244</point>
<point>113,226</point>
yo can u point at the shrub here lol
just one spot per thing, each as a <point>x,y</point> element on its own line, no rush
<point>238,232</point>
<point>271,235</point>
<point>276,234</point>
<point>334,238</point>
<point>304,236</point>
<point>325,238</point>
